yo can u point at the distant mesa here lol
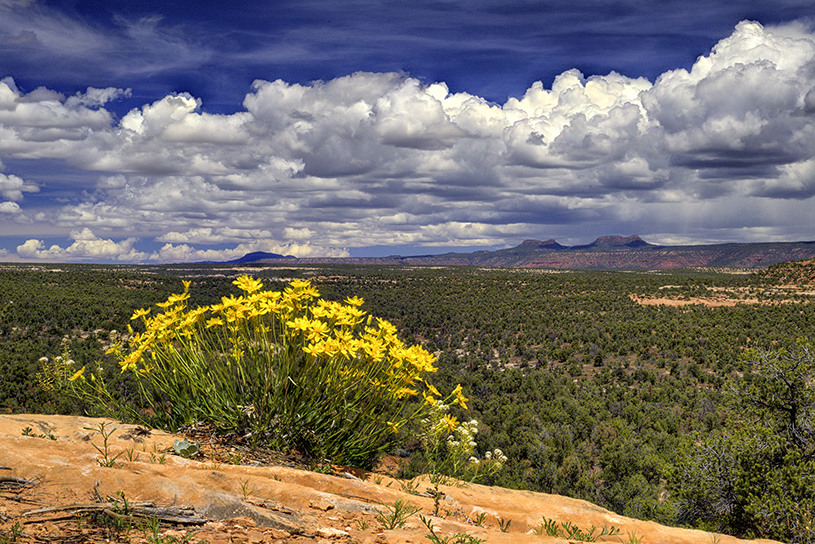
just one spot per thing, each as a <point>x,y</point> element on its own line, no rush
<point>607,242</point>
<point>538,244</point>
<point>259,256</point>
<point>627,241</point>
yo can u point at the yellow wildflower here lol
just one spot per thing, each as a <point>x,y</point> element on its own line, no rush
<point>192,318</point>
<point>227,302</point>
<point>129,362</point>
<point>405,392</point>
<point>386,327</point>
<point>248,284</point>
<point>461,400</point>
<point>432,389</point>
<point>300,284</point>
<point>374,349</point>
<point>354,301</point>
<point>141,312</point>
<point>314,349</point>
<point>272,306</point>
<point>344,336</point>
<point>173,299</point>
<point>353,315</point>
<point>317,329</point>
<point>450,422</point>
<point>421,360</point>
<point>77,375</point>
<point>330,347</point>
<point>299,323</point>
<point>346,349</point>
<point>258,311</point>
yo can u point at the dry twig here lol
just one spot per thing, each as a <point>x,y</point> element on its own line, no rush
<point>145,509</point>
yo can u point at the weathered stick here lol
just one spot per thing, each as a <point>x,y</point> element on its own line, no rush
<point>15,480</point>
<point>143,509</point>
<point>12,483</point>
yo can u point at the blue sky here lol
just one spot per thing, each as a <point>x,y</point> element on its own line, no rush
<point>187,131</point>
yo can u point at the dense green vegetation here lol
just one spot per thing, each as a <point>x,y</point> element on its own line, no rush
<point>588,393</point>
<point>756,475</point>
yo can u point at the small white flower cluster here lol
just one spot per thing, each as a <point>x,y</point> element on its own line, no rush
<point>57,359</point>
<point>466,437</point>
<point>497,457</point>
<point>53,373</point>
<point>477,468</point>
<point>451,446</point>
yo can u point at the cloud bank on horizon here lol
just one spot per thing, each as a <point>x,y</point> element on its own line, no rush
<point>723,151</point>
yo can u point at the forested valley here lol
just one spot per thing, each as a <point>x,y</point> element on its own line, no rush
<point>591,387</point>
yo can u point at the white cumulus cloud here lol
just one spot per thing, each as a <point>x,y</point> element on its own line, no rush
<point>12,187</point>
<point>10,207</point>
<point>86,247</point>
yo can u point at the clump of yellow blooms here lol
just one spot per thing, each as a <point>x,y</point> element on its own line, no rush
<point>286,368</point>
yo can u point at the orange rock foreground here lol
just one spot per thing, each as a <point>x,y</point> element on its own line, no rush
<point>46,483</point>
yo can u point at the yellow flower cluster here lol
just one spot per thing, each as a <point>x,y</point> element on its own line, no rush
<point>296,318</point>
<point>290,369</point>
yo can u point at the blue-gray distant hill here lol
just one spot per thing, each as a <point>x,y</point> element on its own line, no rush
<point>605,253</point>
<point>259,256</point>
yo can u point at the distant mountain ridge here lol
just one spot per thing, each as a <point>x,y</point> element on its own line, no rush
<point>605,253</point>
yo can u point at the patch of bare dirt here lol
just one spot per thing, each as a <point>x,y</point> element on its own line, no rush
<point>710,302</point>
<point>730,297</point>
<point>54,488</point>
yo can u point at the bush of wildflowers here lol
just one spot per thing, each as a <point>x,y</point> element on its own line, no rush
<point>288,369</point>
<point>449,445</point>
